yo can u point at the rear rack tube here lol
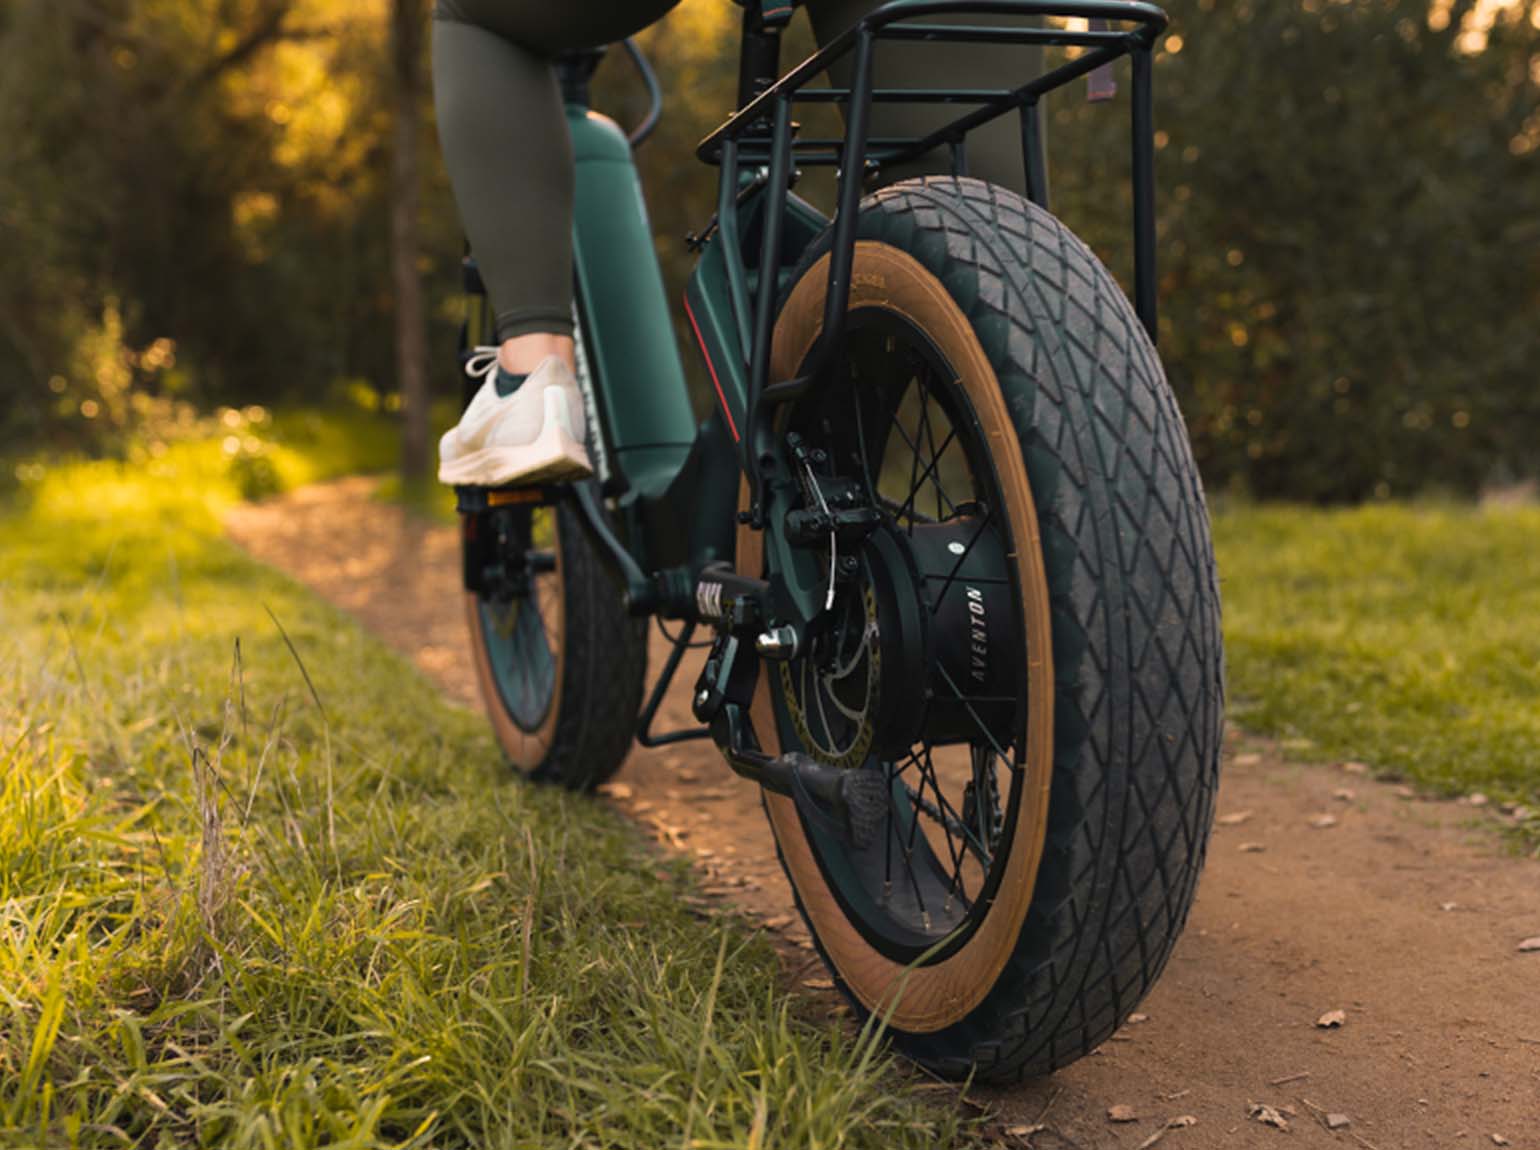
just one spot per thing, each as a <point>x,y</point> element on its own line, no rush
<point>757,153</point>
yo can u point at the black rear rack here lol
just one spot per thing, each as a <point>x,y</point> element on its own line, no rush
<point>759,138</point>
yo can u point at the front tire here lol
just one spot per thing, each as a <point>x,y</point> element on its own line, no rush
<point>1102,517</point>
<point>561,665</point>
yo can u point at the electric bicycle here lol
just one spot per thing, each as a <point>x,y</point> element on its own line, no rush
<point>942,524</point>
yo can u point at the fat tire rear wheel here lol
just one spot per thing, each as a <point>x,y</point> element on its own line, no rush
<point>1129,584</point>
<point>579,728</point>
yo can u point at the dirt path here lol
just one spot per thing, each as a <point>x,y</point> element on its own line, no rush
<point>1403,913</point>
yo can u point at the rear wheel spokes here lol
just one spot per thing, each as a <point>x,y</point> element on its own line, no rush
<point>963,849</point>
<point>925,457</point>
<point>926,437</point>
<point>898,510</point>
<point>960,836</point>
<point>908,432</point>
<point>965,837</point>
<point>907,509</point>
<point>957,891</point>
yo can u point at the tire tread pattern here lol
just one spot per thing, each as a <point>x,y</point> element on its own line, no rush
<point>604,669</point>
<point>1135,620</point>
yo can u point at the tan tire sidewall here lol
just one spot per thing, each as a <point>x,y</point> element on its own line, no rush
<point>930,998</point>
<point>526,750</point>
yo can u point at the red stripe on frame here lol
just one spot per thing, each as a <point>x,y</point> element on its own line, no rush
<point>711,367</point>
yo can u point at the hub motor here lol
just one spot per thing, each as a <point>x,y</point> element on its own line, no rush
<point>920,645</point>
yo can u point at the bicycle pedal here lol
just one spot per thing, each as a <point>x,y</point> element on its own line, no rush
<point>474,500</point>
<point>867,799</point>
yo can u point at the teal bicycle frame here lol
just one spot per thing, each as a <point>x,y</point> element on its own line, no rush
<point>623,315</point>
<point>673,485</point>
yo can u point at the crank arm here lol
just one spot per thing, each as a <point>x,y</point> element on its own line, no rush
<point>850,803</point>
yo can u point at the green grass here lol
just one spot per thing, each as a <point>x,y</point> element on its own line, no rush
<point>252,897</point>
<point>1405,636</point>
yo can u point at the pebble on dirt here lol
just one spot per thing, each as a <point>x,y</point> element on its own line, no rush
<point>1338,1121</point>
<point>1332,1019</point>
<point>1323,822</point>
<point>1023,1133</point>
<point>1121,1113</point>
<point>1252,848</point>
<point>1268,1116</point>
<point>1530,945</point>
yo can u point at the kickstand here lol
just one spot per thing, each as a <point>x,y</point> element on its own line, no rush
<point>644,733</point>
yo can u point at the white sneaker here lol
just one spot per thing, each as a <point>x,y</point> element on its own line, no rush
<point>534,435</point>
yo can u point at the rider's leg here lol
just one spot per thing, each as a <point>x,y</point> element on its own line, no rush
<point>994,151</point>
<point>505,143</point>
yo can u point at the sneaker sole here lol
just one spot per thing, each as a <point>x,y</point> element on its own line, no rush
<point>553,458</point>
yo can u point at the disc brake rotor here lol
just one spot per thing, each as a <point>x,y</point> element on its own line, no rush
<point>831,694</point>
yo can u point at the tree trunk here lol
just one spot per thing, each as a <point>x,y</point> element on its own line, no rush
<point>408,22</point>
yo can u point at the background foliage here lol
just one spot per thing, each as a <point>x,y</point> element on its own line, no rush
<point>193,209</point>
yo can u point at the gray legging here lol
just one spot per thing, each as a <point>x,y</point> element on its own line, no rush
<point>510,160</point>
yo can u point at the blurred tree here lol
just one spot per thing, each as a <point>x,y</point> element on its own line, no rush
<point>1350,238</point>
<point>1348,217</point>
<point>217,170</point>
<point>409,20</point>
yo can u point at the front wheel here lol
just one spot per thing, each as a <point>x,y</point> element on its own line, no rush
<point>560,663</point>
<point>1027,649</point>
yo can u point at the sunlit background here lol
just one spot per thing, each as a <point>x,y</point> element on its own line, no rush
<point>195,198</point>
<point>263,883</point>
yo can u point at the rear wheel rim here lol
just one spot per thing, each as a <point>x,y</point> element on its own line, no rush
<point>924,887</point>
<point>929,998</point>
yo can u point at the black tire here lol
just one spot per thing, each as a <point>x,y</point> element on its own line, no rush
<point>1136,661</point>
<point>583,733</point>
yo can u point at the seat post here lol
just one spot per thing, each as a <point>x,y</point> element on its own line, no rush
<point>574,70</point>
<point>759,59</point>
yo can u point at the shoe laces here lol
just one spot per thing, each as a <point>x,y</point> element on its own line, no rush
<point>481,362</point>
